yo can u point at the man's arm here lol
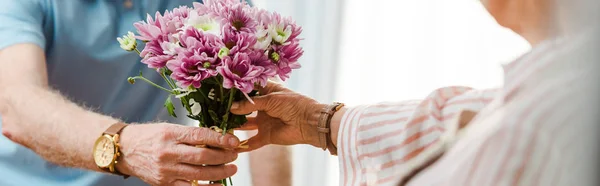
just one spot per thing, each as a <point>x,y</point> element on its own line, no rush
<point>64,133</point>
<point>34,116</point>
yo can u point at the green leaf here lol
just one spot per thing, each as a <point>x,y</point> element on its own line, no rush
<point>185,104</point>
<point>170,107</point>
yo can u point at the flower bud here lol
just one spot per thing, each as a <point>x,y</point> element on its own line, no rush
<point>131,80</point>
<point>223,52</point>
<point>206,64</point>
<point>128,42</point>
<point>275,57</point>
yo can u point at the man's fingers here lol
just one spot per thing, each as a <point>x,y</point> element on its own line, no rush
<point>189,183</point>
<point>205,136</point>
<point>204,156</point>
<point>206,173</point>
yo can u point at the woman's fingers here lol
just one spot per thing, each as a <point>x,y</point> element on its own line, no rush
<point>271,87</point>
<point>251,124</point>
<point>254,143</point>
<point>261,103</point>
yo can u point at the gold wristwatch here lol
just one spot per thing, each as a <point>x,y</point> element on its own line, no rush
<point>107,149</point>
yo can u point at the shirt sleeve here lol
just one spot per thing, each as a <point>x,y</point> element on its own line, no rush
<point>21,22</point>
<point>379,143</point>
<point>536,140</point>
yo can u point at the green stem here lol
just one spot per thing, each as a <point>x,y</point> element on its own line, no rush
<point>153,84</point>
<point>138,51</point>
<point>172,82</point>
<point>227,112</point>
<point>164,76</point>
<point>220,86</point>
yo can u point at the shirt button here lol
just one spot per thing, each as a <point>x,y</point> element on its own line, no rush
<point>128,4</point>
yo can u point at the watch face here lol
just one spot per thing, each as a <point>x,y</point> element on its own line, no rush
<point>104,151</point>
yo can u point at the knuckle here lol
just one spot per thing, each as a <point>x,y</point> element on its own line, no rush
<point>231,157</point>
<point>202,156</point>
<point>198,134</point>
<point>161,171</point>
<point>166,133</point>
<point>213,174</point>
<point>163,155</point>
<point>162,179</point>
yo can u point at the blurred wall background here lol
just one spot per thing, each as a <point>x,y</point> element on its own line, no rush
<point>361,52</point>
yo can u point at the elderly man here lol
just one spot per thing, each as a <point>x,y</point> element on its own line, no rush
<point>536,130</point>
<point>48,137</point>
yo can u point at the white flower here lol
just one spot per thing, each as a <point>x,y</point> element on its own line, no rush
<point>204,23</point>
<point>279,32</point>
<point>169,48</point>
<point>211,94</point>
<point>128,42</point>
<point>183,92</point>
<point>175,37</point>
<point>263,39</point>
<point>195,107</point>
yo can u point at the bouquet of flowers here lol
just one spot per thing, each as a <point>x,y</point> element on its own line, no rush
<point>214,54</point>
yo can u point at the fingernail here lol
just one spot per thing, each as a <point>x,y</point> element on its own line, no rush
<point>235,105</point>
<point>233,142</point>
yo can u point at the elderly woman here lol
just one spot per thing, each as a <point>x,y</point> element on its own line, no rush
<point>515,135</point>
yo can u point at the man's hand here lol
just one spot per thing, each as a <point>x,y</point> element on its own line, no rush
<point>284,117</point>
<point>166,154</point>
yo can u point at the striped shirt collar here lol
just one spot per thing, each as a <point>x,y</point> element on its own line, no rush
<point>516,72</point>
<point>541,56</point>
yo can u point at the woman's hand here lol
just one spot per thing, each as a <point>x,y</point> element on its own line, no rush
<point>284,117</point>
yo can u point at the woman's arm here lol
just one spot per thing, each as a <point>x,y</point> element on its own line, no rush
<point>375,142</point>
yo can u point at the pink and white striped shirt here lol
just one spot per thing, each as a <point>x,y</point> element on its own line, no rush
<point>525,133</point>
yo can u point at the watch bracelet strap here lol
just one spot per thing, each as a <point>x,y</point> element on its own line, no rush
<point>324,128</point>
<point>113,130</point>
<point>116,172</point>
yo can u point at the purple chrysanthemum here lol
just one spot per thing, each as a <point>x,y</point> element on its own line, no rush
<point>238,72</point>
<point>197,58</point>
<point>269,69</point>
<point>238,18</point>
<point>238,41</point>
<point>213,7</point>
<point>286,58</point>
<point>196,41</point>
<point>191,70</point>
<point>158,33</point>
<point>153,54</point>
<point>176,17</point>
